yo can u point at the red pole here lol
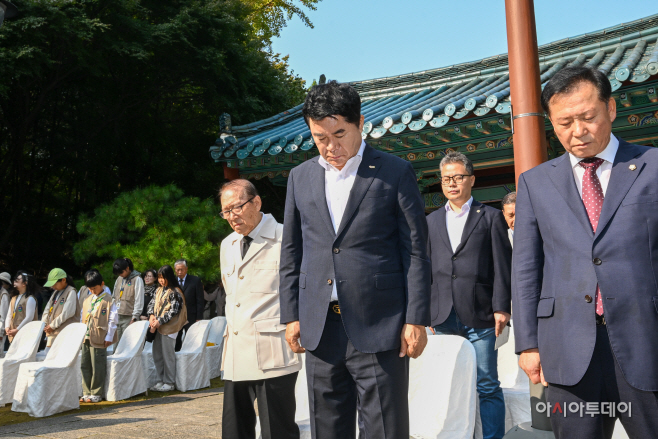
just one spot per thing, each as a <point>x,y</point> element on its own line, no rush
<point>525,87</point>
<point>230,173</point>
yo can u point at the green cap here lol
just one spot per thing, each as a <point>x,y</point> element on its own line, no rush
<point>54,276</point>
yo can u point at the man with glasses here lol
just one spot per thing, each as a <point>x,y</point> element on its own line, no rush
<point>471,268</point>
<point>257,362</point>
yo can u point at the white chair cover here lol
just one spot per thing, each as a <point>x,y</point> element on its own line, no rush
<point>214,353</point>
<point>22,350</point>
<point>442,389</point>
<point>191,368</point>
<point>125,373</point>
<point>150,372</point>
<point>50,387</point>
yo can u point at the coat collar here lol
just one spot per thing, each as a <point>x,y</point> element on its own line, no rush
<point>474,214</point>
<point>265,234</point>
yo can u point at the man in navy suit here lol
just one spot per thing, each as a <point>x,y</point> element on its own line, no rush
<point>471,256</point>
<point>355,274</point>
<point>585,267</point>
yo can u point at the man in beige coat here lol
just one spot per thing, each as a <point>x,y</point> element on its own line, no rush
<point>257,363</point>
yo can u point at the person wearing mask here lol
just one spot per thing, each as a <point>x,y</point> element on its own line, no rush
<point>509,208</point>
<point>167,316</point>
<point>194,299</point>
<point>150,278</point>
<point>23,304</point>
<point>99,313</point>
<point>128,293</point>
<point>63,307</point>
<point>5,298</point>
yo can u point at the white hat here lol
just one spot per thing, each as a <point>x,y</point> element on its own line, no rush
<point>5,277</point>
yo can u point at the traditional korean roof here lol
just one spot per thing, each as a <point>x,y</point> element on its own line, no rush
<point>431,99</point>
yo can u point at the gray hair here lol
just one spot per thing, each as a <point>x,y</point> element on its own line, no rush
<point>457,157</point>
<point>509,198</point>
<point>240,184</point>
<point>181,262</point>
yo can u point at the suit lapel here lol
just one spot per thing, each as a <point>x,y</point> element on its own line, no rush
<point>364,175</point>
<point>320,195</point>
<point>563,179</point>
<point>443,228</point>
<point>621,180</point>
<point>474,214</point>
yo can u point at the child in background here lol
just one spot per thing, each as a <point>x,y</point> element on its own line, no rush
<point>63,307</point>
<point>100,315</point>
<point>167,315</point>
<point>23,306</point>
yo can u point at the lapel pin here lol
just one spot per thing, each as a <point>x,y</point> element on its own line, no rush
<point>478,211</point>
<point>372,167</point>
<point>632,167</point>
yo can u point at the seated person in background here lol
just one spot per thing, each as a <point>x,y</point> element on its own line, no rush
<point>150,278</point>
<point>63,307</point>
<point>167,316</point>
<point>99,313</point>
<point>23,305</point>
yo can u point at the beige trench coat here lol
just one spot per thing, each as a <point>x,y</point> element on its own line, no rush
<point>254,342</point>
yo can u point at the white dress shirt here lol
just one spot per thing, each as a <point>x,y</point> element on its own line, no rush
<point>603,171</point>
<point>455,223</point>
<point>181,282</point>
<point>337,187</point>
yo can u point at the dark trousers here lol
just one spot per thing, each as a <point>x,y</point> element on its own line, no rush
<point>179,338</point>
<point>603,383</point>
<point>276,408</point>
<point>336,373</point>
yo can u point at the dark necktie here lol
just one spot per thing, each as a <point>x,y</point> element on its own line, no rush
<point>180,281</point>
<point>593,201</point>
<point>246,242</point>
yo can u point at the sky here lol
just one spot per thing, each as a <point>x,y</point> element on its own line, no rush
<point>366,39</point>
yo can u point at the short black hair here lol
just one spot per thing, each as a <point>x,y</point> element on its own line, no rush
<point>567,79</point>
<point>332,99</point>
<point>93,278</point>
<point>120,266</point>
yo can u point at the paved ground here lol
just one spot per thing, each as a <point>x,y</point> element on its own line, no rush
<point>196,414</point>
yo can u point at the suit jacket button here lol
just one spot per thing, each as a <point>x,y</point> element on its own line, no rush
<point>588,299</point>
<point>597,261</point>
<point>454,276</point>
<point>235,332</point>
<point>336,250</point>
<point>241,277</point>
<point>454,258</point>
<point>329,282</point>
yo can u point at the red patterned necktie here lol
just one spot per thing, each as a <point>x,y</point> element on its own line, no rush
<point>593,201</point>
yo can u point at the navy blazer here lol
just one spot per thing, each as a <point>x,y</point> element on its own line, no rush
<point>474,279</point>
<point>378,257</point>
<point>558,262</point>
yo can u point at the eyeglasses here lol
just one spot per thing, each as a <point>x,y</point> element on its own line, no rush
<point>237,210</point>
<point>458,179</point>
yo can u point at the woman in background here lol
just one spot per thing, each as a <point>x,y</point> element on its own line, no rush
<point>150,285</point>
<point>23,305</point>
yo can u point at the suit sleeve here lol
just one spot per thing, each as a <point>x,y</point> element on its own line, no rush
<point>502,264</point>
<point>527,270</point>
<point>200,299</point>
<point>291,256</point>
<point>413,235</point>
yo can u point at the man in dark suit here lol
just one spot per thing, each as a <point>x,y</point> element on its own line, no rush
<point>471,263</point>
<point>585,268</point>
<point>194,301</point>
<point>355,273</point>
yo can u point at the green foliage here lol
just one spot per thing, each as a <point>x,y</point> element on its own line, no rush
<point>269,17</point>
<point>98,97</point>
<point>154,226</point>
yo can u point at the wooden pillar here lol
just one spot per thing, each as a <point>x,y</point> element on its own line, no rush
<point>525,88</point>
<point>230,173</point>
